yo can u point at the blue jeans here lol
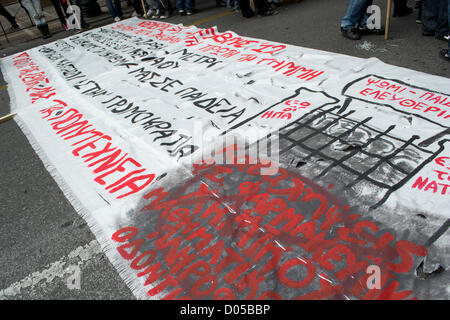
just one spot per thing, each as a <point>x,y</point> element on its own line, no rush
<point>34,9</point>
<point>115,9</point>
<point>187,5</point>
<point>435,16</point>
<point>356,14</point>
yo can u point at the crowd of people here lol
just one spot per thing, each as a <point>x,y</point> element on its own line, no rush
<point>433,15</point>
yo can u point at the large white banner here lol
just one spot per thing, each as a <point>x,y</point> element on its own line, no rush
<point>341,156</point>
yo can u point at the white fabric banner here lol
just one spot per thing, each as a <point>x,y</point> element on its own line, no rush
<point>122,110</point>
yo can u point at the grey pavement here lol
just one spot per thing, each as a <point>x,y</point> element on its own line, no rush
<point>44,243</point>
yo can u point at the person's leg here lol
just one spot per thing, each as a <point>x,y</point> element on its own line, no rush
<point>138,7</point>
<point>59,12</point>
<point>8,16</point>
<point>442,20</point>
<point>111,8</point>
<point>28,5</point>
<point>190,6</point>
<point>445,53</point>
<point>180,5</point>
<point>166,8</point>
<point>364,15</point>
<point>118,7</point>
<point>355,12</point>
<point>429,17</point>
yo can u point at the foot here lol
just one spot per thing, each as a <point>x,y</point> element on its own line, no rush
<point>268,13</point>
<point>444,54</point>
<point>374,31</point>
<point>156,14</point>
<point>181,12</point>
<point>351,33</point>
<point>165,15</point>
<point>189,13</point>
<point>116,19</point>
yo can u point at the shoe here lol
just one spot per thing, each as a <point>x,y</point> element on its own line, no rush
<point>447,37</point>
<point>116,19</point>
<point>181,12</point>
<point>151,12</point>
<point>189,13</point>
<point>268,13</point>
<point>444,54</point>
<point>367,31</point>
<point>156,14</point>
<point>134,14</point>
<point>47,31</point>
<point>351,33</point>
<point>165,15</point>
<point>43,30</point>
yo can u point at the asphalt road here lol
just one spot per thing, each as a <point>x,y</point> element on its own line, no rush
<point>45,245</point>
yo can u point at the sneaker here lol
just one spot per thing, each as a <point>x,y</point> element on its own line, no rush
<point>444,54</point>
<point>189,13</point>
<point>157,14</point>
<point>116,19</point>
<point>351,33</point>
<point>181,12</point>
<point>151,12</point>
<point>374,31</point>
<point>164,15</point>
<point>447,37</point>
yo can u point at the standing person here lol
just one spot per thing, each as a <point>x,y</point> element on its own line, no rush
<point>354,23</point>
<point>445,53</point>
<point>61,12</point>
<point>11,19</point>
<point>34,9</point>
<point>115,9</point>
<point>435,18</point>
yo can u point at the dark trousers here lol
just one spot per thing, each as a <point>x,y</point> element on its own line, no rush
<point>137,4</point>
<point>7,15</point>
<point>435,17</point>
<point>61,12</point>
